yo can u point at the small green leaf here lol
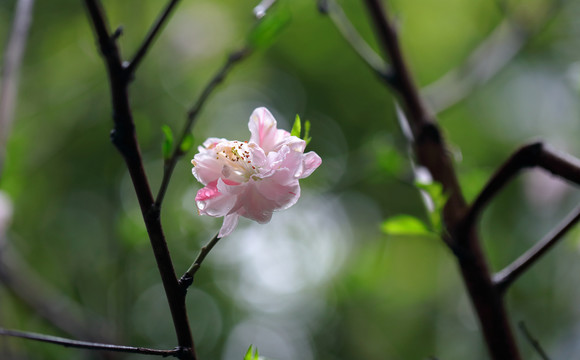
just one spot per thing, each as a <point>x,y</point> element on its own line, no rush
<point>187,143</point>
<point>270,26</point>
<point>404,225</point>
<point>435,192</point>
<point>297,127</point>
<point>167,142</point>
<point>307,137</point>
<point>249,353</point>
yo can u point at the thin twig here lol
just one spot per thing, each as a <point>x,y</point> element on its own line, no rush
<point>355,40</point>
<point>89,345</point>
<point>192,114</point>
<point>504,278</point>
<point>151,35</point>
<point>11,69</point>
<point>535,343</point>
<point>187,278</point>
<point>125,139</point>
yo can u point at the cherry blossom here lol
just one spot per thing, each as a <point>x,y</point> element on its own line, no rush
<point>251,178</point>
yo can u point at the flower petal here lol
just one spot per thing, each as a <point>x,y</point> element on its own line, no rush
<point>310,162</point>
<point>230,223</point>
<point>210,201</point>
<point>264,130</point>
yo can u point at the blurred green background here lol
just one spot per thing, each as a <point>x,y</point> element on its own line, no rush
<point>321,281</point>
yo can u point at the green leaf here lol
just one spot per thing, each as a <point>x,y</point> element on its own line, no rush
<point>167,142</point>
<point>270,26</point>
<point>297,127</point>
<point>435,192</point>
<point>249,353</point>
<point>307,137</point>
<point>404,225</point>
<point>187,143</point>
<point>252,353</point>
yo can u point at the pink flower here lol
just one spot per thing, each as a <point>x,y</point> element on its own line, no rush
<point>251,178</point>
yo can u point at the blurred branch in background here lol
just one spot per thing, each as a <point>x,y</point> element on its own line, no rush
<point>10,71</point>
<point>47,302</point>
<point>352,36</point>
<point>535,343</point>
<point>486,61</point>
<point>488,58</point>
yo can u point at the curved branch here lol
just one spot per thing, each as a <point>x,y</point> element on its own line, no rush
<point>532,155</point>
<point>89,345</point>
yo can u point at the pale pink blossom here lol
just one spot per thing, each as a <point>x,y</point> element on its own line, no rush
<point>251,178</point>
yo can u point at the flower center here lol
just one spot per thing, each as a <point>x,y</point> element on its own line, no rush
<point>237,159</point>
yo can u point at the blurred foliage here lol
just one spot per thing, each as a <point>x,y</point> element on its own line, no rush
<point>330,285</point>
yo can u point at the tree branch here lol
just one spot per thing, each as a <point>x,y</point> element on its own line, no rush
<point>510,273</point>
<point>431,153</point>
<point>192,114</point>
<point>90,345</point>
<point>10,71</point>
<point>528,156</point>
<point>187,278</point>
<point>151,35</point>
<point>124,138</point>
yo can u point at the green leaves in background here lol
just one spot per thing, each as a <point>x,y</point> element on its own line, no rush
<point>167,142</point>
<point>297,129</point>
<point>252,353</point>
<point>187,143</point>
<point>404,225</point>
<point>307,137</point>
<point>270,26</point>
<point>434,191</point>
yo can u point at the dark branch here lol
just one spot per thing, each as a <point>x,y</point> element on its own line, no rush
<point>187,278</point>
<point>11,69</point>
<point>528,156</point>
<point>124,138</point>
<point>510,273</point>
<point>89,345</point>
<point>151,35</point>
<point>535,343</point>
<point>431,152</point>
<point>192,114</point>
